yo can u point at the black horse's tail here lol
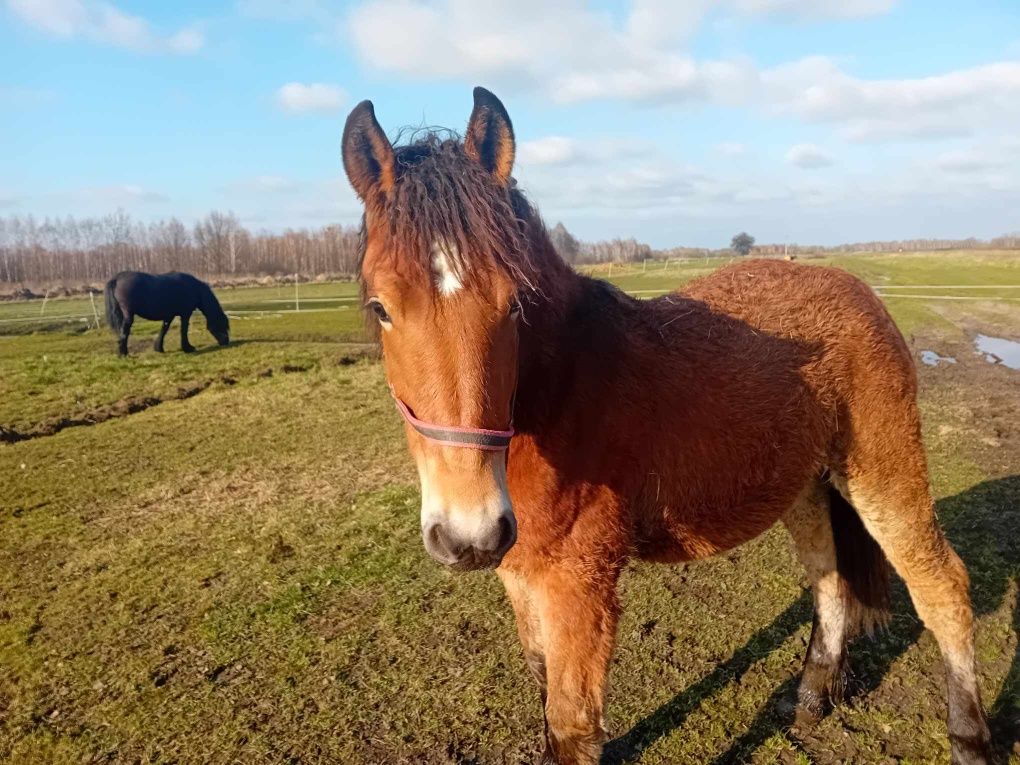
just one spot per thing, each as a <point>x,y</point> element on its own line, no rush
<point>114,316</point>
<point>862,567</point>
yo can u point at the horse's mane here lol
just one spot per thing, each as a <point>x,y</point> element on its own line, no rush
<point>441,194</point>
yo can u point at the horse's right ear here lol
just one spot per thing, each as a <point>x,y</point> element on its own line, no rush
<point>490,136</point>
<point>368,154</point>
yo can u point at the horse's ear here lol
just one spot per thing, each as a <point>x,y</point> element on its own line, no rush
<point>368,154</point>
<point>490,136</point>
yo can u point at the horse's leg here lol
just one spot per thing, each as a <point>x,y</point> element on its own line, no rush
<point>185,345</point>
<point>158,345</point>
<point>823,680</point>
<point>577,612</point>
<point>529,630</point>
<point>889,489</point>
<point>528,626</point>
<point>125,333</point>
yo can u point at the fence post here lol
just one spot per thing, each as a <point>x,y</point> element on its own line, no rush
<point>95,313</point>
<point>45,298</point>
<point>610,270</point>
<point>297,299</point>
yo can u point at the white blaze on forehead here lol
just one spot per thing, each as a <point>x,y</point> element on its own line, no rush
<point>446,265</point>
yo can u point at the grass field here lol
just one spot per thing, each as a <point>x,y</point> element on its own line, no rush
<point>215,558</point>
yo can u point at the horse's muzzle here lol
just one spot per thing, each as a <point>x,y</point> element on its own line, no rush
<point>486,551</point>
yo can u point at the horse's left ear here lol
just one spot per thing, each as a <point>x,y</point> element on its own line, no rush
<point>490,136</point>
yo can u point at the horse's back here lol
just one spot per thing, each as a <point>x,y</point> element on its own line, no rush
<point>858,345</point>
<point>157,296</point>
<point>811,303</point>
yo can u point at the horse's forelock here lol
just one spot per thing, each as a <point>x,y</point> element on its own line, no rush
<point>443,196</point>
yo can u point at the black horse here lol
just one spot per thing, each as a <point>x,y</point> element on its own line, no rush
<point>160,298</point>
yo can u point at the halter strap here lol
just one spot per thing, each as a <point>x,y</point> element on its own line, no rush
<point>469,438</point>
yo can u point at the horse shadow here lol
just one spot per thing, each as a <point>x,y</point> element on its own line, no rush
<point>981,524</point>
<point>217,348</point>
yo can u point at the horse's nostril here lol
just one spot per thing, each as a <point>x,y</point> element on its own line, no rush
<point>507,533</point>
<point>440,542</point>
<point>484,551</point>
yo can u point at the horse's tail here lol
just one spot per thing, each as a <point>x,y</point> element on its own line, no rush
<point>862,566</point>
<point>114,316</point>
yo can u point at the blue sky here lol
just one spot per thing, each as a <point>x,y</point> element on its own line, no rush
<point>676,122</point>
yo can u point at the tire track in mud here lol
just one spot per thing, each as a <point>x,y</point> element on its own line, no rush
<point>132,405</point>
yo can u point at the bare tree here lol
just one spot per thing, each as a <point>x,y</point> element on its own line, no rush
<point>565,244</point>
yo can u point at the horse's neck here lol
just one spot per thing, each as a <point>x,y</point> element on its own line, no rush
<point>205,298</point>
<point>573,328</point>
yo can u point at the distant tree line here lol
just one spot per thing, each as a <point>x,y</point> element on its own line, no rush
<point>90,250</point>
<point>611,251</point>
<point>1004,242</point>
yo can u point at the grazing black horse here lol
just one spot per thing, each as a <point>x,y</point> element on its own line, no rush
<point>161,297</point>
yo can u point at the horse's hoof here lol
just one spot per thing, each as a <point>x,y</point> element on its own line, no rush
<point>970,750</point>
<point>189,349</point>
<point>805,718</point>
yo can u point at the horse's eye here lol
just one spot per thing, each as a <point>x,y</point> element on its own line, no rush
<point>515,308</point>
<point>379,310</point>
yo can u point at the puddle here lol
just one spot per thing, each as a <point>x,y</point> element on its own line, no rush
<point>998,350</point>
<point>932,359</point>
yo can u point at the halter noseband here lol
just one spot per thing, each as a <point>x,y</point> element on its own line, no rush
<point>469,438</point>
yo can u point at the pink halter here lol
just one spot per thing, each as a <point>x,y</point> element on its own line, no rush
<point>469,438</point>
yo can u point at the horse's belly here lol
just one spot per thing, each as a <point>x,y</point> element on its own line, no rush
<point>695,521</point>
<point>675,539</point>
<point>154,314</point>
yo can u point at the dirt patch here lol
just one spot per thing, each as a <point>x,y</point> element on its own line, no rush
<point>121,408</point>
<point>989,423</point>
<point>130,405</point>
<point>20,293</point>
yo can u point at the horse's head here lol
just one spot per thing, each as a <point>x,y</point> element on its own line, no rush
<point>444,265</point>
<point>220,329</point>
<point>216,320</point>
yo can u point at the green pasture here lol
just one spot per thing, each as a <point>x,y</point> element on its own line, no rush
<point>226,567</point>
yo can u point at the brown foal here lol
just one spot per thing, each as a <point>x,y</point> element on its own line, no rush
<point>668,430</point>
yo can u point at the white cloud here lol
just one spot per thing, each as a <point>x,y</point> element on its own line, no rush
<point>808,156</point>
<point>662,22</point>
<point>104,23</point>
<point>965,162</point>
<point>817,9</point>
<point>189,40</point>
<point>951,104</point>
<point>520,44</point>
<point>551,150</point>
<point>298,97</point>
